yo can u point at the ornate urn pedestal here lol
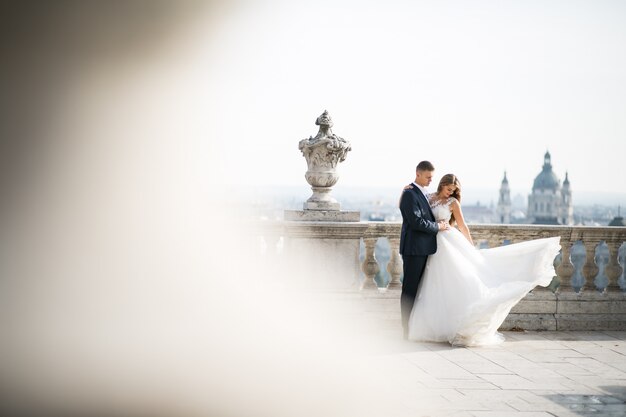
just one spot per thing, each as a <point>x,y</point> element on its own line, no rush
<point>322,153</point>
<point>327,256</point>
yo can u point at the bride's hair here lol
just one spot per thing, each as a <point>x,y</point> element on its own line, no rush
<point>451,179</point>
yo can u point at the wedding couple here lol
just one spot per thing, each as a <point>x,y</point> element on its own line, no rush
<point>453,292</point>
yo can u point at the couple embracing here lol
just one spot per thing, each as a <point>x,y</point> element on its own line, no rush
<point>451,291</point>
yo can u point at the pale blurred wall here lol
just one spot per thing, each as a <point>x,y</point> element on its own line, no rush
<point>127,285</point>
<point>46,46</point>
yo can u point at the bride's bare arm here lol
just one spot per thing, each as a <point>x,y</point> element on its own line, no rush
<point>403,190</point>
<point>460,221</point>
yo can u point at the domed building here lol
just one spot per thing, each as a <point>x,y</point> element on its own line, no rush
<point>549,203</point>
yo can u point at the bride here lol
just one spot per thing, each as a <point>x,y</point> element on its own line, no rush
<point>466,293</point>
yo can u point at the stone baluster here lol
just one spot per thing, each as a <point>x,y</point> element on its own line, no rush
<point>566,269</point>
<point>478,236</point>
<point>613,269</point>
<point>370,265</point>
<point>271,242</point>
<point>494,241</point>
<point>394,267</point>
<point>590,269</point>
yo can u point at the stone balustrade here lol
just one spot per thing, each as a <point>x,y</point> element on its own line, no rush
<point>587,292</point>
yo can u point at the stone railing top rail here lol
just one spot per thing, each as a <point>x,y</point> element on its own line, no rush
<point>351,230</point>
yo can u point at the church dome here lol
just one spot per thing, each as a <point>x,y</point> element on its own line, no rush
<point>547,179</point>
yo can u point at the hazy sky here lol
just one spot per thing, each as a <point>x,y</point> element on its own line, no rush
<point>476,87</point>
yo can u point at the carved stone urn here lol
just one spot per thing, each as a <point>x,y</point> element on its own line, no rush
<point>322,153</point>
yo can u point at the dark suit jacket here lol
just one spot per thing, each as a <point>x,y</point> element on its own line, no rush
<point>419,229</point>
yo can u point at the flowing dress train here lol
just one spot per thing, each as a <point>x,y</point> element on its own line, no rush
<point>466,293</point>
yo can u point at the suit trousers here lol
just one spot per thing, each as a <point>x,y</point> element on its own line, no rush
<point>414,266</point>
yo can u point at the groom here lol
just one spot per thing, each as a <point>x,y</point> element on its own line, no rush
<point>418,238</point>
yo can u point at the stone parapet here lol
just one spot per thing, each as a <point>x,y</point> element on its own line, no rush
<point>586,294</point>
<point>322,215</point>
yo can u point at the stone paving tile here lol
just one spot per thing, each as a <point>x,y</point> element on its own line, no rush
<point>611,358</point>
<point>460,414</point>
<point>576,387</point>
<point>484,367</point>
<point>598,368</point>
<point>439,367</point>
<point>486,395</point>
<point>618,347</point>
<point>512,414</point>
<point>589,405</point>
<point>582,347</point>
<point>435,405</point>
<point>524,401</point>
<point>558,383</point>
<point>474,384</point>
<point>609,343</point>
<point>543,344</point>
<point>537,373</point>
<point>615,346</point>
<point>559,374</point>
<point>518,364</point>
<point>519,382</point>
<point>540,355</point>
<point>598,350</point>
<point>526,336</point>
<point>616,391</point>
<point>594,384</point>
<point>558,336</point>
<point>593,335</point>
<point>567,369</point>
<point>505,358</point>
<point>453,395</point>
<point>499,406</point>
<point>545,405</point>
<point>473,362</point>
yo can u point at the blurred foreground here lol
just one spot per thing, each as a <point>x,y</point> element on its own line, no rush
<point>128,285</point>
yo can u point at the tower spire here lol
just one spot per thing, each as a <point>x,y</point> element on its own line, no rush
<point>504,201</point>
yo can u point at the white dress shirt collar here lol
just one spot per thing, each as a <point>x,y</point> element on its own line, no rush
<point>423,189</point>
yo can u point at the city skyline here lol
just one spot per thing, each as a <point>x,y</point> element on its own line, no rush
<point>420,80</point>
<point>471,195</point>
<point>380,203</point>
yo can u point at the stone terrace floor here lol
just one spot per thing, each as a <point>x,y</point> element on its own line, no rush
<point>532,374</point>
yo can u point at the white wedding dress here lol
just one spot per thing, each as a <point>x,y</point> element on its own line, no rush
<point>466,293</point>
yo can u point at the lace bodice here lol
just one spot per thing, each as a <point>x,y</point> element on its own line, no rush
<point>441,209</point>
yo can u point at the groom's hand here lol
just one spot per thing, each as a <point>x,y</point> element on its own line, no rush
<point>443,225</point>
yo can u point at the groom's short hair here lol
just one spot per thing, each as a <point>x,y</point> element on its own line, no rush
<point>425,166</point>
